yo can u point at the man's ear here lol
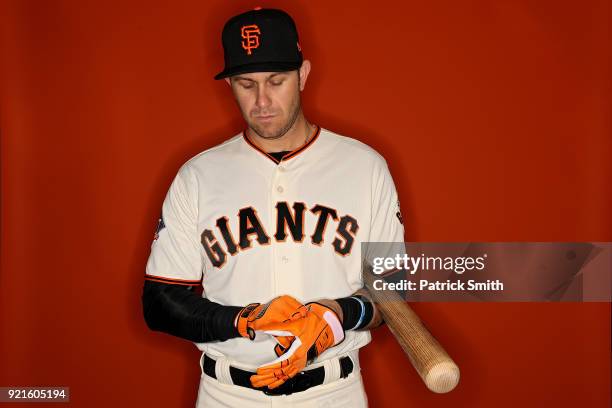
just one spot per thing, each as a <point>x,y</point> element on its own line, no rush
<point>228,81</point>
<point>303,73</point>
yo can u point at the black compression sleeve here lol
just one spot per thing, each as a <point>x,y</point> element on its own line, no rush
<point>351,310</point>
<point>355,317</point>
<point>176,310</point>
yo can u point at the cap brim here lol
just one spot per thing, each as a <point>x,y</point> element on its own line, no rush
<point>259,67</point>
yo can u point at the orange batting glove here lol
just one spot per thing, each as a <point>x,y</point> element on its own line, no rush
<point>314,333</point>
<point>284,342</point>
<point>270,316</point>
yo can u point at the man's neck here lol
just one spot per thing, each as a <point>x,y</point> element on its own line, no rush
<point>297,136</point>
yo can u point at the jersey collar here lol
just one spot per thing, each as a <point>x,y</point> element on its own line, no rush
<point>289,155</point>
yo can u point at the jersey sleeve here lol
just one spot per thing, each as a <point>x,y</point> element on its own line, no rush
<point>386,222</point>
<point>176,252</point>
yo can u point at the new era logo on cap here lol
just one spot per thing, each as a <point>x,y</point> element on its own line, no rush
<point>260,40</point>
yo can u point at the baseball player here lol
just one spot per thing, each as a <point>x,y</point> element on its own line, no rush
<point>270,223</point>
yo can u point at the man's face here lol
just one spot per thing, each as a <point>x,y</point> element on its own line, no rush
<point>269,101</point>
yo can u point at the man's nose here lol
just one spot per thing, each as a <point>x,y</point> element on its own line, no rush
<point>263,99</point>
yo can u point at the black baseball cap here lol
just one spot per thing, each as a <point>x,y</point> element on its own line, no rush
<point>260,40</point>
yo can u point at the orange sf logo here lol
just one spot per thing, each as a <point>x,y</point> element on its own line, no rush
<point>250,33</point>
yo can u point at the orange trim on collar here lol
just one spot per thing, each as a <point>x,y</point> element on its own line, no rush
<point>301,149</point>
<point>289,155</point>
<point>162,279</point>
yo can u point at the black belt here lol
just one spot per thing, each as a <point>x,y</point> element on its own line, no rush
<point>301,382</point>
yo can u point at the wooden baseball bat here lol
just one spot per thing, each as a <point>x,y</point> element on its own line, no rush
<point>434,365</point>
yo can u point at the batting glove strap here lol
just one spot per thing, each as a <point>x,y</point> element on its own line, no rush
<point>242,321</point>
<point>274,315</point>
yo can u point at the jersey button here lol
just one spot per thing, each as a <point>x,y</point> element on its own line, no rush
<point>280,189</point>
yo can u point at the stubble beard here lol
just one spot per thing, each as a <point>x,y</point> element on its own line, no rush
<point>277,134</point>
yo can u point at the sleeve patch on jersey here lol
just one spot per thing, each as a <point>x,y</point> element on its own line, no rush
<point>160,226</point>
<point>399,213</point>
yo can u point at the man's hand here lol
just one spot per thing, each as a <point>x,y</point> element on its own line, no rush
<point>273,315</point>
<point>316,331</point>
<point>284,342</point>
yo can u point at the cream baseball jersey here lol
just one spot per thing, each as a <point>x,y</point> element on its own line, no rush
<point>248,228</point>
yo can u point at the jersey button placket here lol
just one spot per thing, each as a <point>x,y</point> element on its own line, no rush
<point>278,186</point>
<point>281,260</point>
<point>276,195</point>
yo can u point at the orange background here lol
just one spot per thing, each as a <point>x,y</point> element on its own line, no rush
<point>494,118</point>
